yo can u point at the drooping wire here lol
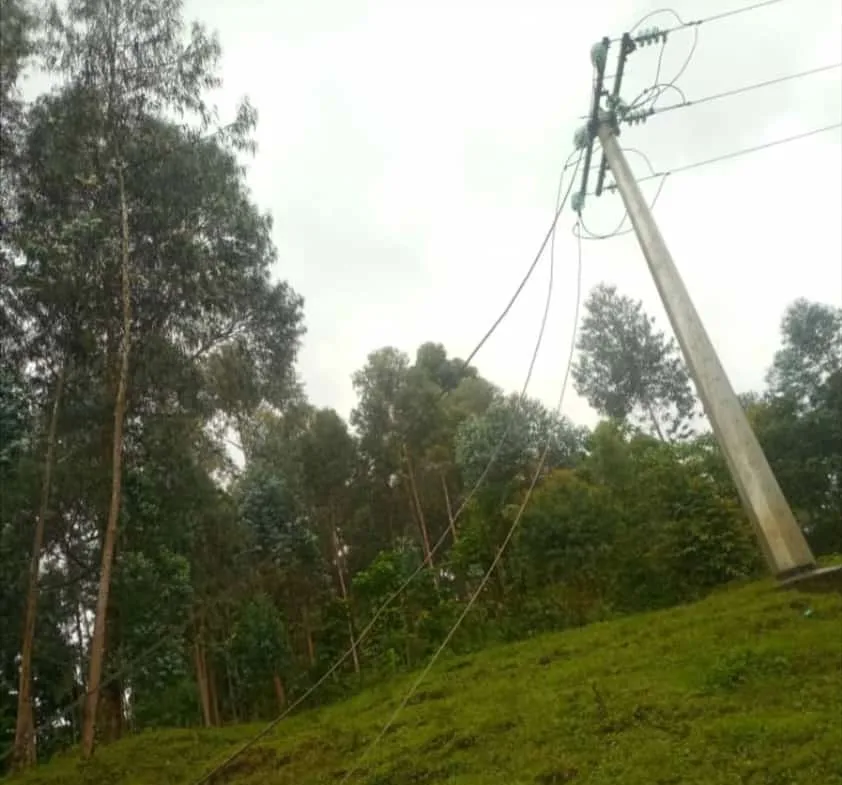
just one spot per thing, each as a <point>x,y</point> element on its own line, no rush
<point>269,727</point>
<point>125,670</point>
<point>619,231</point>
<point>524,280</point>
<point>500,551</point>
<point>660,65</point>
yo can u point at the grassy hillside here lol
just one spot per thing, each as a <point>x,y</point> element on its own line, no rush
<point>744,688</point>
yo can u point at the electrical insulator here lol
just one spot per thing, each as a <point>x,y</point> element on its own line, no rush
<point>582,137</point>
<point>649,36</point>
<point>577,201</point>
<point>637,118</point>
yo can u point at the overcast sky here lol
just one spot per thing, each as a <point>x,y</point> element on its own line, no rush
<point>409,152</point>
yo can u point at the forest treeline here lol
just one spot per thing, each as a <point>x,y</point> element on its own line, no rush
<point>147,579</point>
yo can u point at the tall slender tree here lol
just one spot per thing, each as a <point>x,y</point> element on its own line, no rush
<point>127,59</point>
<point>627,367</point>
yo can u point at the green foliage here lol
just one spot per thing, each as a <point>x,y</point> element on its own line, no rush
<point>378,386</point>
<point>525,428</point>
<point>408,630</point>
<point>157,683</point>
<point>17,27</point>
<point>627,367</point>
<point>14,420</point>
<point>259,651</point>
<point>16,44</point>
<point>811,352</point>
<point>567,535</point>
<point>269,511</point>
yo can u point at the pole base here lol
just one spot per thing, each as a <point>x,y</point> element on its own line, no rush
<point>818,579</point>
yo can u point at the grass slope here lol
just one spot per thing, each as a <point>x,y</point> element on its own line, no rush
<point>744,688</point>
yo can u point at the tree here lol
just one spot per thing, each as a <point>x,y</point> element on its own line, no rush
<point>799,421</point>
<point>290,569</point>
<point>260,648</point>
<point>406,631</point>
<point>626,367</point>
<point>407,419</point>
<point>811,352</point>
<point>514,432</point>
<point>25,727</point>
<point>126,59</point>
<point>388,389</point>
<point>677,534</point>
<point>328,456</point>
<point>564,555</point>
<point>138,239</point>
<point>377,386</point>
<point>498,454</point>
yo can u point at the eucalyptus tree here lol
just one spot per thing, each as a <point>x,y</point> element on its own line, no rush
<point>628,368</point>
<point>140,241</point>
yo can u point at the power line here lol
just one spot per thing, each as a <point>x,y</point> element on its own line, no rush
<point>500,551</point>
<point>524,280</point>
<point>619,231</point>
<point>645,104</point>
<point>685,103</point>
<point>735,153</point>
<point>269,727</point>
<point>655,91</point>
<point>734,12</point>
<point>682,25</point>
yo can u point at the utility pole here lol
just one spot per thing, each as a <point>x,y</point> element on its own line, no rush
<point>781,539</point>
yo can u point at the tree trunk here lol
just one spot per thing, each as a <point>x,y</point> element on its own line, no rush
<point>450,519</point>
<point>232,692</point>
<point>202,682</point>
<point>111,708</point>
<point>110,538</point>
<point>24,749</point>
<point>422,522</point>
<point>213,693</point>
<point>81,643</point>
<point>344,589</point>
<point>111,711</point>
<point>280,692</point>
<point>308,634</point>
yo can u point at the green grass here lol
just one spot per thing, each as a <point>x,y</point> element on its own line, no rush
<point>744,688</point>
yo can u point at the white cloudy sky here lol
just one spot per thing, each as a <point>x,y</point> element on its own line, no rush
<point>410,150</point>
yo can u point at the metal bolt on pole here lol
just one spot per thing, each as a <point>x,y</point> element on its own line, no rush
<point>783,543</point>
